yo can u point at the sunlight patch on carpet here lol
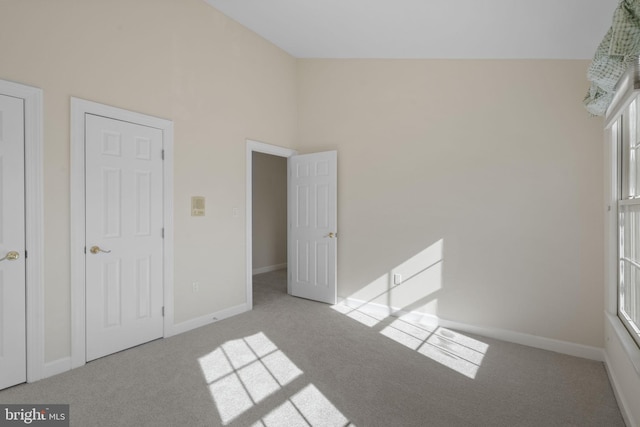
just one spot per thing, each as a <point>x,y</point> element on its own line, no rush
<point>308,407</point>
<point>452,349</point>
<point>243,373</point>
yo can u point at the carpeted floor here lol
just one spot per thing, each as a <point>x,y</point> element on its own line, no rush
<point>295,362</point>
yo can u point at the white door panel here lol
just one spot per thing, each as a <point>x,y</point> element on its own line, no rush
<point>313,226</point>
<point>12,243</point>
<point>124,283</point>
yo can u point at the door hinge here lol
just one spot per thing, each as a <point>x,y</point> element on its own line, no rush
<point>85,250</point>
<point>25,254</point>
<point>162,311</point>
<point>163,233</point>
<point>162,154</point>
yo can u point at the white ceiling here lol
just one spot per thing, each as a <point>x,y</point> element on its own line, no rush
<point>554,29</point>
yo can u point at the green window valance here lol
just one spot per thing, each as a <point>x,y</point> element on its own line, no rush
<point>617,51</point>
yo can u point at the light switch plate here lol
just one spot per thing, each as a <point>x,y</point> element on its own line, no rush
<point>197,206</point>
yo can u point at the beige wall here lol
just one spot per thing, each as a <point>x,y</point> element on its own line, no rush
<point>479,181</point>
<point>176,59</point>
<point>269,241</point>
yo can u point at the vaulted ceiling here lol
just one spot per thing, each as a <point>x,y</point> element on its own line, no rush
<point>553,29</point>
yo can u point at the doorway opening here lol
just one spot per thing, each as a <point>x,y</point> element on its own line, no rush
<point>266,215</point>
<point>311,232</point>
<point>269,223</point>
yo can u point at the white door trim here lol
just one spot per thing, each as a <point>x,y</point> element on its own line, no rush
<point>34,222</point>
<point>258,147</point>
<point>79,108</point>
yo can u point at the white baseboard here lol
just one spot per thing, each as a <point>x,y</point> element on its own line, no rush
<point>61,365</point>
<point>208,319</point>
<point>620,398</point>
<point>564,347</point>
<point>56,367</point>
<point>269,268</point>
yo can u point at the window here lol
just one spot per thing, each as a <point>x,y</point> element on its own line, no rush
<point>625,134</point>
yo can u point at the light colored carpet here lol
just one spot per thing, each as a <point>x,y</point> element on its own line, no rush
<point>295,362</point>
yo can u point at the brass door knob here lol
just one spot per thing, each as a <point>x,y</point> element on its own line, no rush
<point>11,256</point>
<point>96,249</point>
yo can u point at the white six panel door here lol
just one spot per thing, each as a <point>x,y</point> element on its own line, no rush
<point>313,223</point>
<point>124,250</point>
<point>13,368</point>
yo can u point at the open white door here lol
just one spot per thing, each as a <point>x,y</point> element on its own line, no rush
<point>313,222</point>
<point>13,356</point>
<point>124,232</point>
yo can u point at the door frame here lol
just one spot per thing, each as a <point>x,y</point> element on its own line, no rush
<point>34,222</point>
<point>80,107</point>
<point>274,150</point>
